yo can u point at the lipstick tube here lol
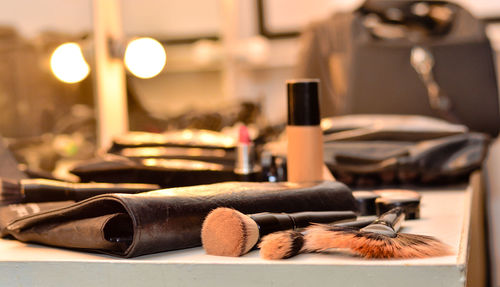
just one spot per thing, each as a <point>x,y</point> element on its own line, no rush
<point>305,138</point>
<point>245,166</point>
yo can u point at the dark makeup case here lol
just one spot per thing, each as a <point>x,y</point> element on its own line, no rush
<point>130,225</point>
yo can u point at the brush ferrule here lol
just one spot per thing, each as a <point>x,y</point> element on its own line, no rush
<point>380,229</point>
<point>387,224</point>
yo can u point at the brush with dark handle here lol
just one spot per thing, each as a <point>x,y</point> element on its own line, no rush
<point>378,240</point>
<point>388,223</point>
<point>272,222</point>
<point>228,232</point>
<point>41,190</point>
<point>288,243</point>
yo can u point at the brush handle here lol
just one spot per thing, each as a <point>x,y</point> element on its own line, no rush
<point>42,190</point>
<point>360,223</point>
<point>392,218</point>
<point>388,223</point>
<point>272,222</point>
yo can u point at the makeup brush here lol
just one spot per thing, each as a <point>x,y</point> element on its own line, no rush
<point>228,232</point>
<point>288,243</point>
<point>377,240</point>
<point>42,190</point>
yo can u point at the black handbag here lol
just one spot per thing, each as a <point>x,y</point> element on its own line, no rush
<point>374,150</point>
<point>428,58</point>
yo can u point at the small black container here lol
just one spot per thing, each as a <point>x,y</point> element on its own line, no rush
<point>410,205</point>
<point>366,202</point>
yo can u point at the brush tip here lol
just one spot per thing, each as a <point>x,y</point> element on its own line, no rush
<point>10,192</point>
<point>373,245</point>
<point>320,237</point>
<point>403,246</point>
<point>228,232</point>
<point>281,245</point>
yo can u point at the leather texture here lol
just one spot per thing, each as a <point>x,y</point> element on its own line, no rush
<point>446,160</point>
<point>130,225</point>
<point>163,172</point>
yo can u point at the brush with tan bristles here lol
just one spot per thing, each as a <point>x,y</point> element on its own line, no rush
<point>288,243</point>
<point>380,240</point>
<point>228,232</point>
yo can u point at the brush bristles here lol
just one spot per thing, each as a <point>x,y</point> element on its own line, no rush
<point>373,245</point>
<point>227,232</point>
<point>10,192</point>
<point>281,245</point>
<point>404,245</point>
<point>322,237</point>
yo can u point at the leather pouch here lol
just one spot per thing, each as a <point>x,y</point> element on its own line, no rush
<point>446,160</point>
<point>130,225</point>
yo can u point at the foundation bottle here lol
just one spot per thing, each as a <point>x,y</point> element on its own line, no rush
<point>304,135</point>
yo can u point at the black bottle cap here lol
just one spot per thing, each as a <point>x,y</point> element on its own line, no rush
<point>303,102</point>
<point>366,202</point>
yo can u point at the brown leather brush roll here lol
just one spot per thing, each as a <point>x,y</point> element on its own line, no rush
<point>130,225</point>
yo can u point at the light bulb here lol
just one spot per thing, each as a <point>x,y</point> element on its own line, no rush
<point>206,52</point>
<point>145,57</point>
<point>67,63</point>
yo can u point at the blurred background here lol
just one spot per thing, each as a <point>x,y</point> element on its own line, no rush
<point>221,63</point>
<point>218,53</point>
<point>221,51</point>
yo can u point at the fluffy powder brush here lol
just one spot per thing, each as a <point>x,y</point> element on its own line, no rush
<point>228,232</point>
<point>377,240</point>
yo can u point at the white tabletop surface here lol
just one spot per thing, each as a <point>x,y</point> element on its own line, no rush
<point>444,214</point>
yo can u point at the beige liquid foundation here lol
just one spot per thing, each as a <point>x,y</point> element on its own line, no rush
<point>305,138</point>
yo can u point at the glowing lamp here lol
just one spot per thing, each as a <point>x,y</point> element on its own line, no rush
<point>68,64</point>
<point>145,57</point>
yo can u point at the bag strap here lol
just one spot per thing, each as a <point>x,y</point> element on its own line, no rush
<point>422,61</point>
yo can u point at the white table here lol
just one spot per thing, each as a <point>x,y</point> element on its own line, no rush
<point>445,214</point>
